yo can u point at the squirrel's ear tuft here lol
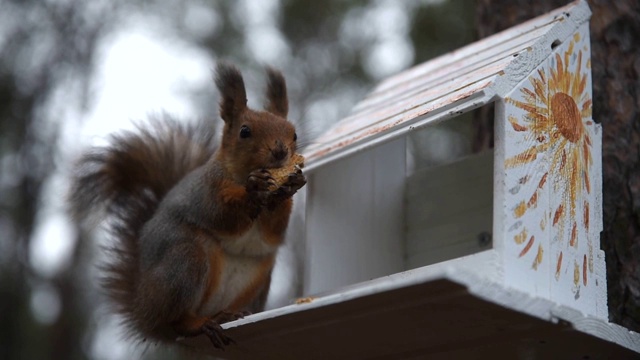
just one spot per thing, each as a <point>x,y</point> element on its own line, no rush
<point>277,102</point>
<point>233,95</point>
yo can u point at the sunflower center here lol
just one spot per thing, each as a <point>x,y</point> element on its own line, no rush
<point>566,116</point>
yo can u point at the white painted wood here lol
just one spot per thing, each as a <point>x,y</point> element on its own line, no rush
<point>436,312</point>
<point>288,274</point>
<point>532,29</point>
<point>483,262</point>
<point>448,207</point>
<point>566,21</point>
<point>369,126</point>
<point>504,302</point>
<point>398,126</point>
<point>405,87</point>
<point>551,182</point>
<point>499,188</point>
<point>355,219</point>
<point>547,310</point>
<point>457,82</point>
<point>433,244</point>
<point>526,235</point>
<point>425,91</point>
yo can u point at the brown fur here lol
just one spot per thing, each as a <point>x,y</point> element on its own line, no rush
<point>274,224</point>
<point>216,264</point>
<point>174,202</point>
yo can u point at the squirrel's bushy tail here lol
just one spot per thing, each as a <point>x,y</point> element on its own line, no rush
<point>126,180</point>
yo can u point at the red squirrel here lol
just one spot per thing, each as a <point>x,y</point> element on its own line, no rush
<point>196,228</point>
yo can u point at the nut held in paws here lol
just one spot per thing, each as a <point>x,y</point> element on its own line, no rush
<point>280,175</point>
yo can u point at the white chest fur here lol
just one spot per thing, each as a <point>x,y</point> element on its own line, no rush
<point>243,262</point>
<point>251,243</point>
<point>238,273</point>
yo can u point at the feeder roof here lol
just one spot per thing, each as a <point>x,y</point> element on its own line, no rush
<point>448,85</point>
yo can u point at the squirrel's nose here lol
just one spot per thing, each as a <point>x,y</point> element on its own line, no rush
<point>279,152</point>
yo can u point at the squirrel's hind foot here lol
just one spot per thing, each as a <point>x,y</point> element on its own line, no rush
<point>212,329</point>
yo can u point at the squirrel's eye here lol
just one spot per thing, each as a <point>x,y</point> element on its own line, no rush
<point>245,132</point>
<point>295,136</point>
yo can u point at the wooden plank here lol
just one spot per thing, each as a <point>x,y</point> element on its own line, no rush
<point>431,236</point>
<point>440,193</point>
<point>389,128</point>
<point>551,174</point>
<point>444,315</point>
<point>423,103</point>
<point>550,310</point>
<point>466,169</point>
<point>367,123</point>
<point>423,95</point>
<point>457,72</point>
<point>451,204</point>
<point>463,246</point>
<point>569,19</point>
<point>355,237</point>
<point>531,29</point>
<point>448,207</point>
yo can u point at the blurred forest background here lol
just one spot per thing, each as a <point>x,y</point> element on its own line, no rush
<point>71,71</point>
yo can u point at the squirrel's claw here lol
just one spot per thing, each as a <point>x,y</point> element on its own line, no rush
<point>295,181</point>
<point>215,333</point>
<point>259,186</point>
<point>260,180</point>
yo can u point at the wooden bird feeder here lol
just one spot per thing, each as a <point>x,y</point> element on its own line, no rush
<point>497,254</point>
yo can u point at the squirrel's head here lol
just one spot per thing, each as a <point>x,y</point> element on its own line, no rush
<point>252,139</point>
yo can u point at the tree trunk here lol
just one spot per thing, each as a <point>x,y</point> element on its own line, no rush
<point>615,40</point>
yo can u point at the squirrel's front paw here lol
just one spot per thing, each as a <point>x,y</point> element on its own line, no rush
<point>259,185</point>
<point>294,182</point>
